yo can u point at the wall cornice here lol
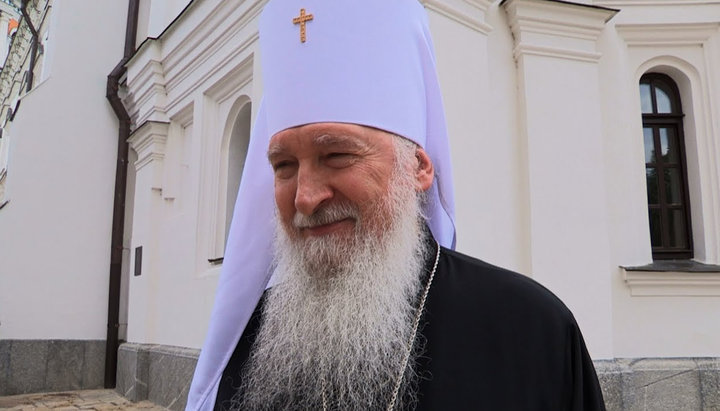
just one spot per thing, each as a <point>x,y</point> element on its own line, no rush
<point>641,3</point>
<point>672,283</point>
<point>667,34</point>
<point>559,52</point>
<point>555,29</point>
<point>482,5</point>
<point>166,71</point>
<point>191,49</point>
<point>469,13</point>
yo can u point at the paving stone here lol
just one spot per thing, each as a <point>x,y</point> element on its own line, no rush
<point>12,402</point>
<point>56,403</point>
<point>106,407</point>
<point>74,400</point>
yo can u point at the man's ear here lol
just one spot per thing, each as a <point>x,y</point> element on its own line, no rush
<point>424,171</point>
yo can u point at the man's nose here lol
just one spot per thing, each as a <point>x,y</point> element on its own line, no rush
<point>312,191</point>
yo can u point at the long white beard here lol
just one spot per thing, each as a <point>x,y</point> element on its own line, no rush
<point>339,322</point>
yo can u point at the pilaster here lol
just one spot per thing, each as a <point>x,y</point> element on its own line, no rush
<point>562,144</point>
<point>554,29</point>
<point>148,141</point>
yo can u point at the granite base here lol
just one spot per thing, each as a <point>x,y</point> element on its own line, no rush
<point>29,366</point>
<point>660,383</point>
<point>161,374</point>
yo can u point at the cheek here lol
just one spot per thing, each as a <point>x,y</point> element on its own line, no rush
<point>366,181</point>
<point>285,201</point>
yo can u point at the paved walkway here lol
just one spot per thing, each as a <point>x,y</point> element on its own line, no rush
<point>74,400</point>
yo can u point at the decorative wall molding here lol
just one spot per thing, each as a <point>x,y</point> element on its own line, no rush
<point>468,17</point>
<point>692,49</point>
<point>668,34</point>
<point>672,283</point>
<point>148,141</point>
<point>149,93</point>
<point>630,3</point>
<point>184,117</point>
<point>217,126</point>
<point>482,5</point>
<point>190,55</point>
<point>564,53</point>
<point>554,29</point>
<point>166,71</point>
<point>232,82</point>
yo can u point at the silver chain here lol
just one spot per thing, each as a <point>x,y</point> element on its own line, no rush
<point>411,341</point>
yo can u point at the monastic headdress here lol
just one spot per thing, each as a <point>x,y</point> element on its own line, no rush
<point>368,62</point>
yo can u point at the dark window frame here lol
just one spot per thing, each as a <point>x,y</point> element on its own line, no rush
<point>657,121</point>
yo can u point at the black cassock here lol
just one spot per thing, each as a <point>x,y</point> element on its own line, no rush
<point>494,340</point>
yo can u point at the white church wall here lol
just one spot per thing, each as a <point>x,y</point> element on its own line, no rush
<point>675,320</point>
<point>55,231</point>
<point>548,165</point>
<point>560,128</point>
<point>187,88</point>
<point>157,15</point>
<point>479,98</point>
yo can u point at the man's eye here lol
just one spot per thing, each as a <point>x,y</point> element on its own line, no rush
<point>279,165</point>
<point>340,159</point>
<point>282,168</point>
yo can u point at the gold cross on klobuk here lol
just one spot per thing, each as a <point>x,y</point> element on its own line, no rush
<point>301,20</point>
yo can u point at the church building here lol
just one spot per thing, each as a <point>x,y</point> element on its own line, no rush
<point>585,144</point>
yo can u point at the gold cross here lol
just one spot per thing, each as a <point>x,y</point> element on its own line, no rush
<point>301,19</point>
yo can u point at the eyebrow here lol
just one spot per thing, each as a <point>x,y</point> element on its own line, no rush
<point>323,140</point>
<point>338,140</point>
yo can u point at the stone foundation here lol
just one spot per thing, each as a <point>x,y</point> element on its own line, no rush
<point>162,374</point>
<point>29,366</point>
<point>660,383</point>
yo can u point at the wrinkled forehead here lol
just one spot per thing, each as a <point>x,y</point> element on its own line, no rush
<point>343,136</point>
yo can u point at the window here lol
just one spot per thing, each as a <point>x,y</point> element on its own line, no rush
<point>237,150</point>
<point>665,170</point>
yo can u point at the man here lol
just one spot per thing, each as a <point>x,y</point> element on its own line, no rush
<point>370,307</point>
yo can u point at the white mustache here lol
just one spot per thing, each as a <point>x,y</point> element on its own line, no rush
<point>326,215</point>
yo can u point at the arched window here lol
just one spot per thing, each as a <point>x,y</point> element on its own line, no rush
<point>665,169</point>
<point>237,150</point>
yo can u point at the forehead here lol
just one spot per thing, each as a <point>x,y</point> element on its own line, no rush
<point>317,135</point>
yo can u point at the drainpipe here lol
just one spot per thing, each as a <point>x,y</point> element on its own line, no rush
<point>33,45</point>
<point>118,224</point>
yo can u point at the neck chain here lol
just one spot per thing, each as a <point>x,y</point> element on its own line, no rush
<point>411,340</point>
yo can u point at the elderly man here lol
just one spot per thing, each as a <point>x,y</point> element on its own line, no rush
<point>370,308</point>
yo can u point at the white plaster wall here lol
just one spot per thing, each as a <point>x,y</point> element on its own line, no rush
<point>177,215</point>
<point>160,14</point>
<point>521,204</point>
<point>55,232</point>
<point>480,100</point>
<point>655,326</point>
